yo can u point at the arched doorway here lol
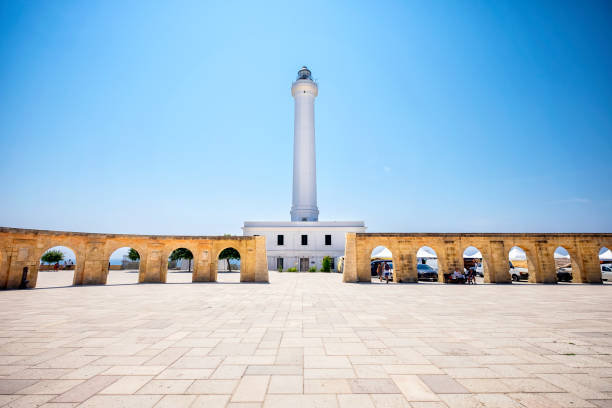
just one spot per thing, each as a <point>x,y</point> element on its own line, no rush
<point>56,267</point>
<point>474,265</point>
<point>229,265</point>
<point>381,265</point>
<point>563,265</point>
<point>518,265</point>
<point>427,264</point>
<point>180,266</point>
<point>605,262</point>
<point>123,266</point>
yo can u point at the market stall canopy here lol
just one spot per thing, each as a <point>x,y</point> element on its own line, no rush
<point>424,253</point>
<point>381,253</point>
<point>475,255</point>
<point>606,256</point>
<point>560,255</point>
<point>517,254</point>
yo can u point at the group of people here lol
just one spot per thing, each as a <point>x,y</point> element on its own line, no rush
<point>469,277</point>
<point>383,270</point>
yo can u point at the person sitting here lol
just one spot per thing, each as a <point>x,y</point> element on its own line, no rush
<point>457,276</point>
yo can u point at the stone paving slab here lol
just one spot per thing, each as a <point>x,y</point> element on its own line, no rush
<point>305,340</point>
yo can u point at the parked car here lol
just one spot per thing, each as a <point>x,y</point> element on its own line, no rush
<point>426,272</point>
<point>564,275</point>
<point>518,273</point>
<point>374,267</point>
<point>606,272</point>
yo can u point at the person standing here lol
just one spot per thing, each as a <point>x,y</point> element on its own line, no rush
<point>387,271</point>
<point>379,271</point>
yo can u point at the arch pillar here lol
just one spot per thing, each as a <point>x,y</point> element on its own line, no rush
<point>452,257</point>
<point>591,266</point>
<point>4,267</point>
<point>496,264</point>
<point>261,260</point>
<point>247,266</point>
<point>405,264</point>
<point>363,257</point>
<point>541,263</point>
<point>201,268</point>
<point>349,269</point>
<point>95,265</point>
<point>577,262</point>
<point>156,266</point>
<point>21,255</point>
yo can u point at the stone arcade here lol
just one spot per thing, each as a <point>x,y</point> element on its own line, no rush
<point>21,249</point>
<point>583,250</point>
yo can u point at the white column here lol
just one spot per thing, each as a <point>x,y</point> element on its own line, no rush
<point>304,204</point>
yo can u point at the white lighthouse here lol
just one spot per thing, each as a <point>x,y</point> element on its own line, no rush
<point>304,205</point>
<point>303,242</point>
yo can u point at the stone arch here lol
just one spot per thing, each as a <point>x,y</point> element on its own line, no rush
<point>484,261</point>
<point>529,261</point>
<point>565,265</point>
<point>424,250</point>
<point>113,247</point>
<point>441,253</point>
<point>191,263</point>
<point>227,273</point>
<point>604,264</point>
<point>385,253</point>
<point>78,262</point>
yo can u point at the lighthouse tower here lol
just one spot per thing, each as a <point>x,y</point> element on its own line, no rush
<point>303,242</point>
<point>304,205</point>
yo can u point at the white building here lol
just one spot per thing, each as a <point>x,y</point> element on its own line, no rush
<point>304,241</point>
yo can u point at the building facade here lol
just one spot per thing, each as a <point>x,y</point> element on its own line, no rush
<point>303,242</point>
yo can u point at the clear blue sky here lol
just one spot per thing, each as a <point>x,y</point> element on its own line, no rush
<point>177,117</point>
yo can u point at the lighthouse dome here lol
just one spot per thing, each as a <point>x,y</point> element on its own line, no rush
<point>304,73</point>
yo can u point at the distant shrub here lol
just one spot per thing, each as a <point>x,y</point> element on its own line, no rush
<point>280,269</point>
<point>292,270</point>
<point>312,269</point>
<point>326,264</point>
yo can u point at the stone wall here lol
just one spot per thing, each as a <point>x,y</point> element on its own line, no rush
<point>583,250</point>
<point>22,248</point>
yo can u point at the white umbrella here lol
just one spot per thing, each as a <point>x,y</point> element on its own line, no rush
<point>517,254</point>
<point>423,253</point>
<point>606,256</point>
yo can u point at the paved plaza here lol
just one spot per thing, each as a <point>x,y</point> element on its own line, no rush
<point>304,340</point>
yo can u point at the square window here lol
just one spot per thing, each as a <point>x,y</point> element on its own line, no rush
<point>280,240</point>
<point>327,239</point>
<point>304,239</point>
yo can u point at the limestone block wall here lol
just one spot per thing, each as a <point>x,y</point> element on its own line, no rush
<point>22,248</point>
<point>540,248</point>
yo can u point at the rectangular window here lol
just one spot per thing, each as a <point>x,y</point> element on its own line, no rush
<point>304,239</point>
<point>327,239</point>
<point>332,263</point>
<point>280,240</point>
